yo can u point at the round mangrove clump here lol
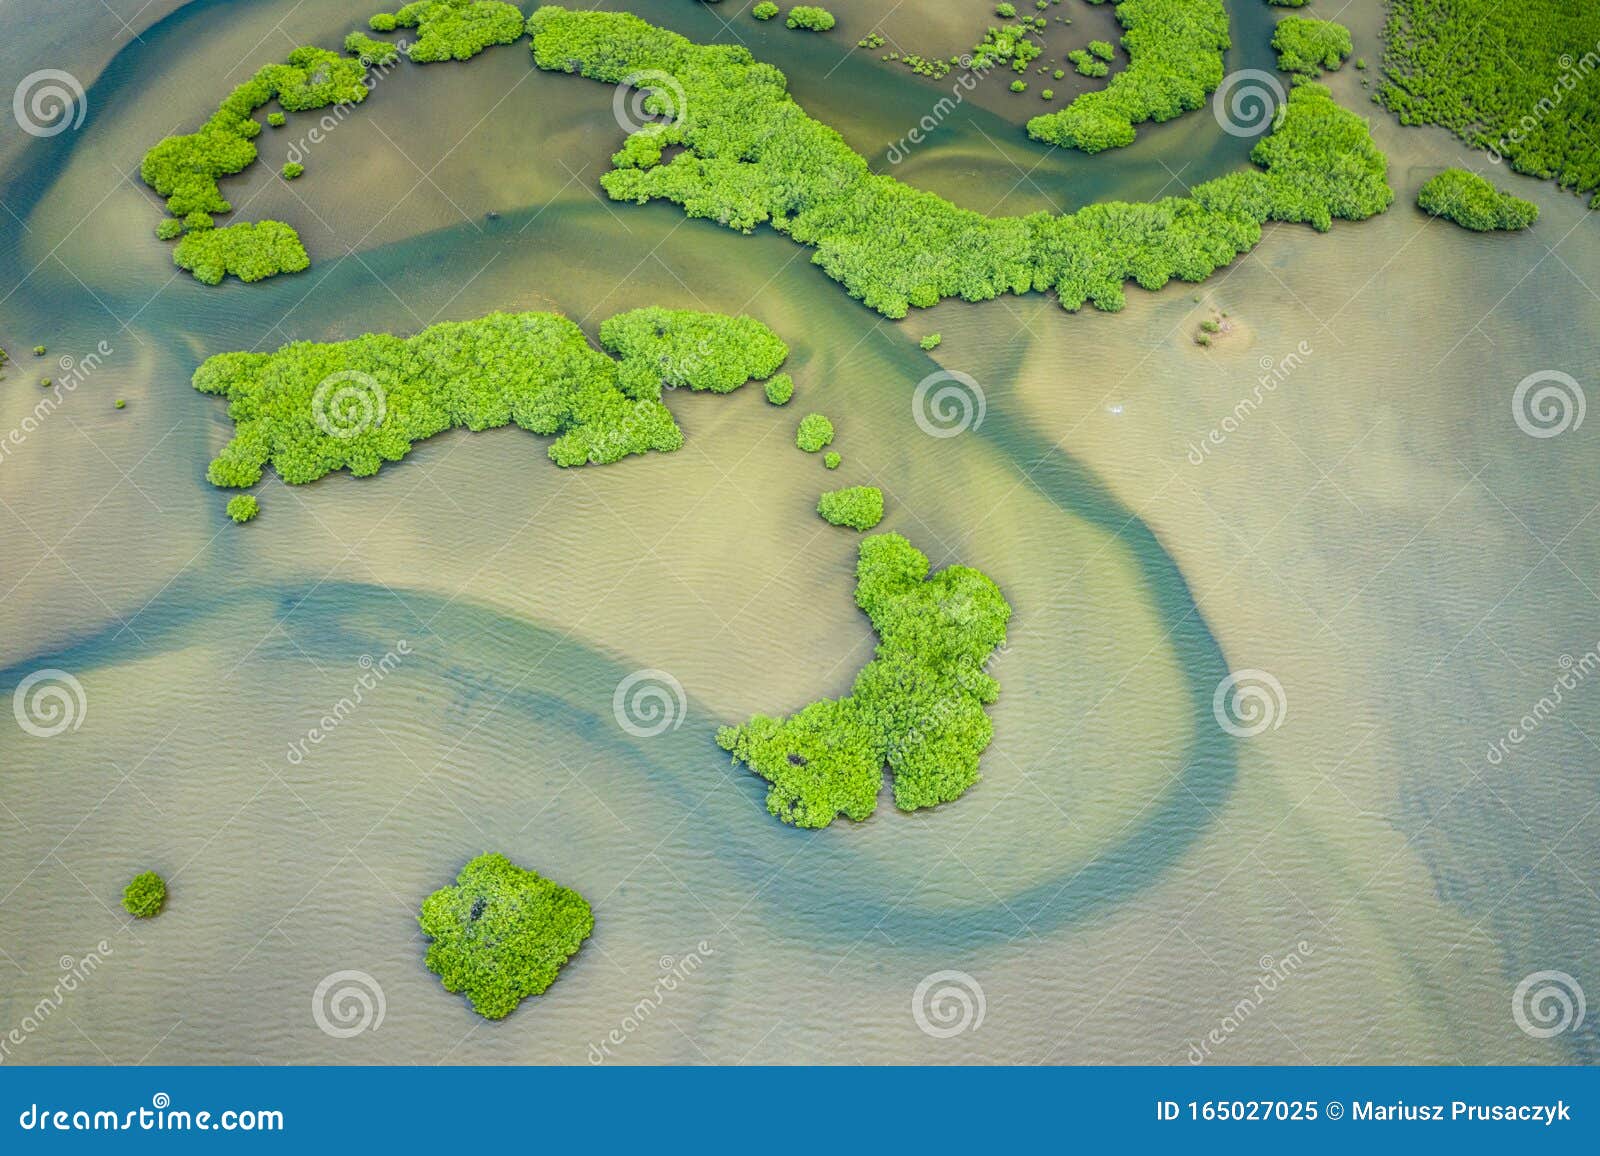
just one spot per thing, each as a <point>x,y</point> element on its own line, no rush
<point>120,403</point>
<point>832,459</point>
<point>859,507</point>
<point>931,341</point>
<point>144,895</point>
<point>815,432</point>
<point>780,388</point>
<point>169,228</point>
<point>382,22</point>
<point>810,17</point>
<point>244,507</point>
<point>277,119</point>
<point>502,933</point>
<point>765,10</point>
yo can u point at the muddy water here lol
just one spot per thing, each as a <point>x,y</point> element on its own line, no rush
<point>1377,534</point>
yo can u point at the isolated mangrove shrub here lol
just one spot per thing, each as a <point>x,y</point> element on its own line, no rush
<point>458,29</point>
<point>815,432</point>
<point>810,17</point>
<point>858,507</point>
<point>312,408</point>
<point>1522,80</point>
<point>1174,51</point>
<point>243,507</point>
<point>745,154</point>
<point>1473,203</point>
<point>1304,46</point>
<point>169,228</point>
<point>831,459</point>
<point>144,895</point>
<point>502,933</point>
<point>765,10</point>
<point>249,252</point>
<point>917,708</point>
<point>780,388</point>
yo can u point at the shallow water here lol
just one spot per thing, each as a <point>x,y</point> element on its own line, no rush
<point>1379,536</point>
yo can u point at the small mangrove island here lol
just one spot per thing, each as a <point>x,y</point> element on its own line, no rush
<point>918,707</point>
<point>1473,203</point>
<point>312,408</point>
<point>502,933</point>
